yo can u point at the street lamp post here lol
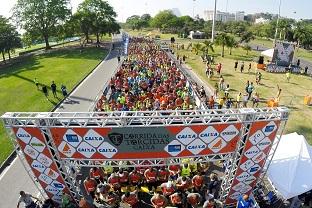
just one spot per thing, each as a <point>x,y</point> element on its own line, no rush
<point>278,17</point>
<point>214,21</point>
<point>194,9</point>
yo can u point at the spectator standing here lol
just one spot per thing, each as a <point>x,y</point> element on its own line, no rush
<point>242,67</point>
<point>118,58</point>
<point>238,100</point>
<point>235,65</point>
<point>306,70</point>
<point>298,63</point>
<point>244,202</point>
<point>255,100</point>
<point>221,83</point>
<point>227,91</point>
<point>216,89</point>
<point>245,100</point>
<point>288,76</point>
<point>64,90</point>
<point>53,88</point>
<point>45,91</point>
<point>36,83</point>
<point>249,68</point>
<point>176,200</point>
<point>211,102</point>
<point>27,200</point>
<point>250,89</point>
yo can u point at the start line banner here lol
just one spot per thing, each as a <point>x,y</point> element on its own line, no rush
<point>145,142</point>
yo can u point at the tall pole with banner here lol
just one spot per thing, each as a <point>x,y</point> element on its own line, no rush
<point>277,22</point>
<point>214,20</point>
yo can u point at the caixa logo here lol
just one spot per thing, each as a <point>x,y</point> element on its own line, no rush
<point>254,169</point>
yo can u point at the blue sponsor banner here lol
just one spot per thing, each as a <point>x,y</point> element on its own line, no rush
<point>72,138</point>
<point>174,148</point>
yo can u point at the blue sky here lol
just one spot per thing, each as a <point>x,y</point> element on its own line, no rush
<point>290,8</point>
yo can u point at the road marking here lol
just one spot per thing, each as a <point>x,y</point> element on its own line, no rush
<point>7,169</point>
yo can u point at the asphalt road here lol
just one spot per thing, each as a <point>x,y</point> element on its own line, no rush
<point>15,178</point>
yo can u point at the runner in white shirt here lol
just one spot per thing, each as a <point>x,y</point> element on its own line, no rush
<point>27,200</point>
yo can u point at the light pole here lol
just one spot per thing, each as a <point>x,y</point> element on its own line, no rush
<point>214,20</point>
<point>194,9</point>
<point>278,17</point>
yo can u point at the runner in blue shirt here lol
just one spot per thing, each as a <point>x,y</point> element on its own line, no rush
<point>245,202</point>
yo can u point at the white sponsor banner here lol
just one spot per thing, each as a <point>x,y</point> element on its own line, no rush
<point>107,150</point>
<point>251,152</point>
<point>86,149</point>
<point>217,145</point>
<point>229,133</point>
<point>209,134</point>
<point>31,152</point>
<point>174,148</point>
<point>37,144</point>
<point>72,138</point>
<point>256,137</point>
<point>44,160</point>
<point>66,149</point>
<point>51,173</point>
<point>246,165</point>
<point>46,179</point>
<point>186,136</point>
<point>38,166</point>
<point>23,135</point>
<point>196,146</point>
<point>93,138</point>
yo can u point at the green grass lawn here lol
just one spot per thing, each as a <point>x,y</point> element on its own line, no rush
<point>292,93</point>
<point>19,93</point>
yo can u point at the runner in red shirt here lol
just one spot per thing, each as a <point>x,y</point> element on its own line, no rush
<point>163,175</point>
<point>194,199</point>
<point>176,200</point>
<point>90,186</point>
<point>167,188</point>
<point>198,182</point>
<point>113,200</point>
<point>113,181</point>
<point>159,201</point>
<point>151,178</point>
<point>183,183</point>
<point>97,174</point>
<point>123,177</point>
<point>174,171</point>
<point>135,178</point>
<point>131,198</point>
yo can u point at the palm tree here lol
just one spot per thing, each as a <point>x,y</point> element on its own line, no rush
<point>208,45</point>
<point>247,48</point>
<point>222,40</point>
<point>197,47</point>
<point>231,43</point>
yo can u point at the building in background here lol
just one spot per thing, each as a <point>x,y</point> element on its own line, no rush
<point>176,12</point>
<point>224,16</point>
<point>261,20</point>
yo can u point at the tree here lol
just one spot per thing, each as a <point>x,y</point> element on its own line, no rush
<point>99,14</point>
<point>9,38</point>
<point>231,43</point>
<point>197,47</point>
<point>41,16</point>
<point>303,34</point>
<point>247,37</point>
<point>247,48</point>
<point>222,40</point>
<point>146,19</point>
<point>134,22</point>
<point>207,45</point>
<point>162,18</point>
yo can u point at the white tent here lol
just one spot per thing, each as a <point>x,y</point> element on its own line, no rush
<point>291,168</point>
<point>268,52</point>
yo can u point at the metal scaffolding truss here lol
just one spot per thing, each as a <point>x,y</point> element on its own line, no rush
<point>147,162</point>
<point>70,168</point>
<point>142,118</point>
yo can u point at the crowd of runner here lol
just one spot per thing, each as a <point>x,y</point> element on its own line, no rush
<point>185,186</point>
<point>146,80</point>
